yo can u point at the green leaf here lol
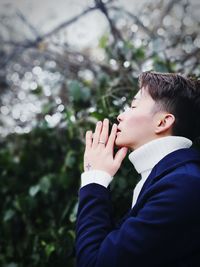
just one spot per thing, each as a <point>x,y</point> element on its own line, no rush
<point>8,215</point>
<point>97,115</point>
<point>70,159</point>
<point>103,41</point>
<point>49,248</point>
<point>45,183</point>
<point>12,264</point>
<point>38,91</point>
<point>140,53</point>
<point>33,190</point>
<point>78,92</point>
<point>73,214</point>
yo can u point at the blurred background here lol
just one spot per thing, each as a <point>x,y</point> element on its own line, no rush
<point>64,65</point>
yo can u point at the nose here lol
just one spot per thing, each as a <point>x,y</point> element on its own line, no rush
<point>123,114</point>
<point>119,117</point>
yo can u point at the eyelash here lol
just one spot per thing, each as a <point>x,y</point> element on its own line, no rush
<point>128,108</point>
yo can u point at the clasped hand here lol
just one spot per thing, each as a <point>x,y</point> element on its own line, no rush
<point>99,149</point>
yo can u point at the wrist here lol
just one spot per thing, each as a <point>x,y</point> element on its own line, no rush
<point>96,176</point>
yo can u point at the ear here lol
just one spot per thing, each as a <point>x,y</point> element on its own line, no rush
<point>164,123</point>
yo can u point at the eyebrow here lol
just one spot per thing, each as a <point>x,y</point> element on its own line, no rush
<point>134,98</point>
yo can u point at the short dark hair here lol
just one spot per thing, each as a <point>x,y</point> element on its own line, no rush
<point>178,95</point>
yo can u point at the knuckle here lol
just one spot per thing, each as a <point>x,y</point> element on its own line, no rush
<point>88,133</point>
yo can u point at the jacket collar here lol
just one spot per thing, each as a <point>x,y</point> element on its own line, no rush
<point>168,164</point>
<point>176,159</point>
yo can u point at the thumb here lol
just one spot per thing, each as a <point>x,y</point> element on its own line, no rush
<point>120,155</point>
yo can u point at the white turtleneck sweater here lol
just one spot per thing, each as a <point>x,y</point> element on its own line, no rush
<point>143,158</point>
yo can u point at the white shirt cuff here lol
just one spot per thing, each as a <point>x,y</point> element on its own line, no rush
<point>96,176</point>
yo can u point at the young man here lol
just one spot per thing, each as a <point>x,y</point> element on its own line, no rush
<point>163,225</point>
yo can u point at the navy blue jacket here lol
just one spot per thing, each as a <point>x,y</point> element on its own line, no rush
<point>162,229</point>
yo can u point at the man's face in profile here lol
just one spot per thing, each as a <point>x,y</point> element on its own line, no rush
<point>136,124</point>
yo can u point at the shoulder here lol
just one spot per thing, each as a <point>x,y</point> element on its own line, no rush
<point>178,193</point>
<point>184,178</point>
<point>177,175</point>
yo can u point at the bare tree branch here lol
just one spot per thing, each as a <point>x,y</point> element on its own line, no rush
<point>195,52</point>
<point>168,8</point>
<point>27,23</point>
<point>114,30</point>
<point>136,19</point>
<point>30,43</point>
<point>67,23</point>
<point>40,38</point>
<point>34,43</point>
<point>166,11</point>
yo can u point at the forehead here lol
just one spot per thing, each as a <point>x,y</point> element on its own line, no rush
<point>140,94</point>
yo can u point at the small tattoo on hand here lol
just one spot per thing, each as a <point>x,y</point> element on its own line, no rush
<point>88,166</point>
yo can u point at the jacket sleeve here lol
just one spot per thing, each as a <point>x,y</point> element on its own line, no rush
<point>158,231</point>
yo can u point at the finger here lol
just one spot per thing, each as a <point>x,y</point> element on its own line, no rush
<point>120,155</point>
<point>111,139</point>
<point>88,140</point>
<point>104,132</point>
<point>97,133</point>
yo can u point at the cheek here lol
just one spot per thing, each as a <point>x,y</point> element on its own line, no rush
<point>140,124</point>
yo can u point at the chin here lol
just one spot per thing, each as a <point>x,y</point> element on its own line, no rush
<point>119,144</point>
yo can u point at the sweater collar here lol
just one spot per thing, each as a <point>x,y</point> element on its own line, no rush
<point>147,156</point>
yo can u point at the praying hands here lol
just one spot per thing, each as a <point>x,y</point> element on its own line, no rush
<point>99,149</point>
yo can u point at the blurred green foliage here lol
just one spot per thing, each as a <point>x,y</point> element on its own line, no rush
<point>40,175</point>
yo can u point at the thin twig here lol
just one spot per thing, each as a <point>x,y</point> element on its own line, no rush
<point>136,19</point>
<point>102,7</point>
<point>27,23</point>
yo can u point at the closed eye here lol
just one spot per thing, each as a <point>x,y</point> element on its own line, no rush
<point>133,107</point>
